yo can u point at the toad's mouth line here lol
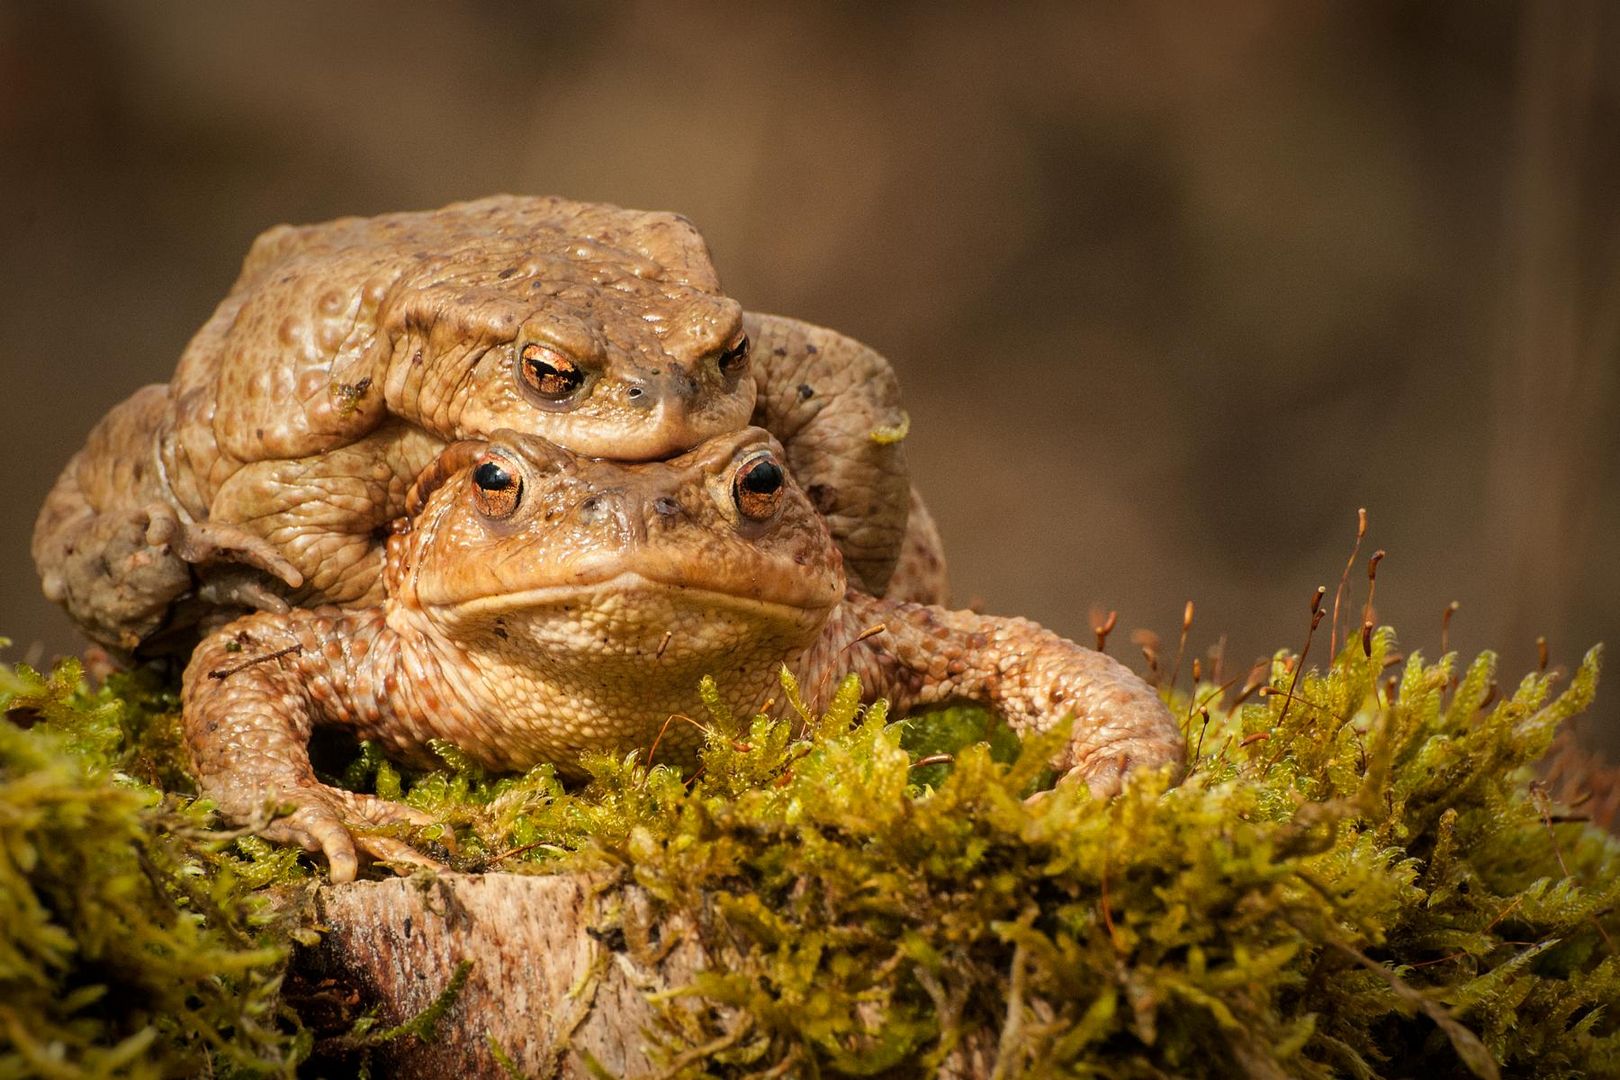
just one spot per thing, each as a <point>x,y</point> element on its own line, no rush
<point>593,594</point>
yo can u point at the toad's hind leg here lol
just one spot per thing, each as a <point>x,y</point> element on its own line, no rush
<point>920,576</point>
<point>326,513</point>
<point>109,544</point>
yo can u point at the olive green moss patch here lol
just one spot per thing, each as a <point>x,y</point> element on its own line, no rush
<point>1359,878</point>
<point>131,943</point>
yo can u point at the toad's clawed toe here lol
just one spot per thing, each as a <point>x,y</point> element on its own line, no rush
<point>397,855</point>
<point>341,827</point>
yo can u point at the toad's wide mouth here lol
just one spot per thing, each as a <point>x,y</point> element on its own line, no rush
<point>601,591</point>
<point>628,421</point>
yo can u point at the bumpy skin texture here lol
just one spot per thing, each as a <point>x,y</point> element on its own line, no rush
<point>349,353</point>
<point>575,605</point>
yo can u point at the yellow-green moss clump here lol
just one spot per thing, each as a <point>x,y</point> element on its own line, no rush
<point>1359,878</point>
<point>131,943</point>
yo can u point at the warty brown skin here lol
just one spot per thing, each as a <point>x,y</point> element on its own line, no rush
<point>349,353</point>
<point>557,605</point>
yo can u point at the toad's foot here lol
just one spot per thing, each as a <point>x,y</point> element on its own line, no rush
<point>112,577</point>
<point>342,825</point>
<point>119,572</point>
<point>1104,773</point>
<point>1105,769</point>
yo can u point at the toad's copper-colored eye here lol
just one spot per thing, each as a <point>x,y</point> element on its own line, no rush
<point>548,372</point>
<point>734,360</point>
<point>496,489</point>
<point>757,490</point>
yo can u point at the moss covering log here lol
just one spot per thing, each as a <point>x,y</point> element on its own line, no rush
<point>1361,876</point>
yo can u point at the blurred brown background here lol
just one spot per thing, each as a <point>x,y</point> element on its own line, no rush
<point>1173,288</point>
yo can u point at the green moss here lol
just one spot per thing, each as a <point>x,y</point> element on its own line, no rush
<point>131,944</point>
<point>1358,878</point>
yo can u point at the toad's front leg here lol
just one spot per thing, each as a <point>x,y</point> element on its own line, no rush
<point>253,693</point>
<point>1031,677</point>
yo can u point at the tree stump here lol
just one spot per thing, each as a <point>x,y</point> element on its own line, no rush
<point>561,969</point>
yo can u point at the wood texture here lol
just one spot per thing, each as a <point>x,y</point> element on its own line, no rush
<point>562,966</point>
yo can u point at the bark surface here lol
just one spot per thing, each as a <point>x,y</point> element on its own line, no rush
<point>565,970</point>
<point>561,969</point>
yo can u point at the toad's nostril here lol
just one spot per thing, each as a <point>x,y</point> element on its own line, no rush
<point>636,391</point>
<point>666,506</point>
<point>614,514</point>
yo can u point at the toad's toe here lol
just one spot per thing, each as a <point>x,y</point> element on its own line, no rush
<point>397,855</point>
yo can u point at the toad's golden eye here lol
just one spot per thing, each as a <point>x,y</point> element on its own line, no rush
<point>548,372</point>
<point>496,489</point>
<point>734,360</point>
<point>757,490</point>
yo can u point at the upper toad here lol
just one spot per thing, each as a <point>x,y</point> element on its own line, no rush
<point>349,353</point>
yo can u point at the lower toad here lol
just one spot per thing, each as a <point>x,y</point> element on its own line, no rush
<point>540,605</point>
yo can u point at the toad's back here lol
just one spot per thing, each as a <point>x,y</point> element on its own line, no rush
<point>348,353</point>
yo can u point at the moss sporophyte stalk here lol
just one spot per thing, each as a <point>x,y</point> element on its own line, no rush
<point>1361,876</point>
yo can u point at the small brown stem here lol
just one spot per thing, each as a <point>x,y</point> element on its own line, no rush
<point>225,673</point>
<point>1181,645</point>
<point>1344,579</point>
<point>1103,629</point>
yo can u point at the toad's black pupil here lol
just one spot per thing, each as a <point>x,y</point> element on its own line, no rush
<point>491,477</point>
<point>763,478</point>
<point>565,376</point>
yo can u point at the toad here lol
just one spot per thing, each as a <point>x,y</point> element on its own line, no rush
<point>349,354</point>
<point>539,605</point>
